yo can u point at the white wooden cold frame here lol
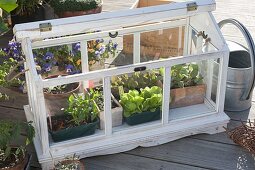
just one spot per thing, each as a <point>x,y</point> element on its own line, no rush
<point>120,139</point>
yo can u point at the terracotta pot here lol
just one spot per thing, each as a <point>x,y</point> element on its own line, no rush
<point>187,96</point>
<point>20,165</point>
<point>55,102</point>
<point>79,13</point>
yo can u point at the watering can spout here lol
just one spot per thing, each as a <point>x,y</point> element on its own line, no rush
<point>237,101</point>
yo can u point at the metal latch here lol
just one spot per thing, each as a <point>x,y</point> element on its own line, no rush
<point>45,27</point>
<point>192,6</point>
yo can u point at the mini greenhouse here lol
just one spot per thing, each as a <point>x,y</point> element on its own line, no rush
<point>138,77</point>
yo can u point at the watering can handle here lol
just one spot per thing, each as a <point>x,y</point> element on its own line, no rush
<point>247,94</point>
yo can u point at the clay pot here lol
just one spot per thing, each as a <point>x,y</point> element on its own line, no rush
<point>22,164</point>
<point>187,96</point>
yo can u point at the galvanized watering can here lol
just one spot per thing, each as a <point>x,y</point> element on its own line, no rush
<point>240,79</point>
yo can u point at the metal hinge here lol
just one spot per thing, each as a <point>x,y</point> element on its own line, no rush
<point>45,27</point>
<point>192,6</point>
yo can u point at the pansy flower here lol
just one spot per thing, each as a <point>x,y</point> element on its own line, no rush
<point>69,68</point>
<point>47,67</point>
<point>48,56</point>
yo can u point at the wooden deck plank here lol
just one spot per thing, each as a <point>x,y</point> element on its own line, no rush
<point>206,151</point>
<point>12,114</point>
<point>200,153</point>
<point>219,137</point>
<point>132,162</point>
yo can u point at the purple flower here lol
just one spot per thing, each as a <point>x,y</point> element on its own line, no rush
<point>69,68</point>
<point>12,44</point>
<point>6,50</point>
<point>21,68</point>
<point>102,49</point>
<point>15,51</point>
<point>48,56</point>
<point>21,88</point>
<point>115,45</point>
<point>47,67</point>
<point>77,47</point>
<point>97,53</point>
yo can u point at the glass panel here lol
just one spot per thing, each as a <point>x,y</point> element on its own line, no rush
<point>199,43</point>
<point>73,110</point>
<point>216,66</point>
<point>101,53</point>
<point>164,43</point>
<point>57,60</point>
<point>205,33</point>
<point>191,86</point>
<point>138,98</point>
<point>124,54</point>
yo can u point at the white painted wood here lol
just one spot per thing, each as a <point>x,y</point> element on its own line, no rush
<point>136,49</point>
<point>36,140</point>
<point>185,113</point>
<point>26,48</point>
<point>209,78</point>
<point>107,105</point>
<point>130,68</point>
<point>42,118</point>
<point>166,95</point>
<point>175,123</point>
<point>117,143</point>
<point>223,69</point>
<point>81,24</point>
<point>84,61</point>
<point>28,84</point>
<point>135,5</point>
<point>195,22</point>
<point>103,34</point>
<point>187,37</point>
<point>179,40</point>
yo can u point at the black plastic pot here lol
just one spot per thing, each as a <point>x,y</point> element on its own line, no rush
<point>74,132</point>
<point>143,117</point>
<point>37,15</point>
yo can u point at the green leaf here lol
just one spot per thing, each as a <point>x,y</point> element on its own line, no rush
<point>3,27</point>
<point>8,5</point>
<point>146,100</point>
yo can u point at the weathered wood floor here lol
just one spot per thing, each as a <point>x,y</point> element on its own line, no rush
<point>194,152</point>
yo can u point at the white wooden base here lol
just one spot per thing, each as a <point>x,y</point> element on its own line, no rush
<point>100,144</point>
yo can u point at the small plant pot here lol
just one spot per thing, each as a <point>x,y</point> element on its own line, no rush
<point>187,96</point>
<point>117,117</point>
<point>143,117</point>
<point>22,164</point>
<point>73,132</point>
<point>80,165</point>
<point>55,102</point>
